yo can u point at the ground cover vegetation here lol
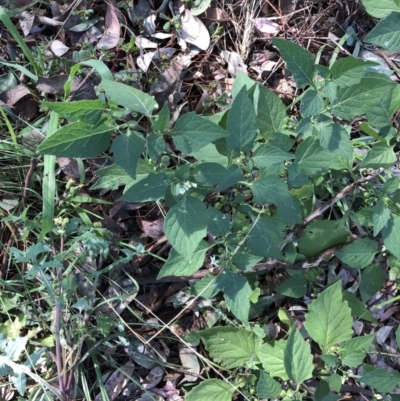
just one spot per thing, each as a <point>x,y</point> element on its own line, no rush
<point>242,247</point>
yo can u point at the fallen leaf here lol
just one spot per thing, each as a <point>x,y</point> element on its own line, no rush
<point>194,31</point>
<point>12,96</point>
<point>112,30</point>
<point>154,229</point>
<point>58,48</point>
<point>189,361</point>
<point>153,378</point>
<point>265,26</point>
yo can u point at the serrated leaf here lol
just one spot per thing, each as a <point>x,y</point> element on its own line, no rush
<point>88,110</point>
<point>335,381</point>
<point>359,254</point>
<point>129,97</point>
<point>294,287</point>
<point>380,155</point>
<point>321,235</point>
<point>323,393</point>
<point>329,321</point>
<point>298,360</point>
<point>230,346</point>
<point>127,150</point>
<point>271,356</point>
<point>266,386</point>
<point>382,8</point>
<point>218,223</point>
<point>271,112</point>
<point>354,350</point>
<point>79,139</point>
<point>266,236</point>
<point>209,174</point>
<point>241,123</point>
<point>334,137</point>
<point>382,380</point>
<point>150,188</point>
<point>211,389</point>
<point>311,104</point>
<point>372,279</point>
<point>186,225</point>
<point>296,178</point>
<point>391,236</point>
<point>299,61</point>
<point>269,155</point>
<point>357,307</point>
<point>386,33</point>
<point>178,265</point>
<point>192,132</point>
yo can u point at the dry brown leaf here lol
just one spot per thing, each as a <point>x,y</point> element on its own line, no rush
<point>58,48</point>
<point>69,166</point>
<point>194,31</point>
<point>154,229</point>
<point>12,96</point>
<point>112,29</point>
<point>189,361</point>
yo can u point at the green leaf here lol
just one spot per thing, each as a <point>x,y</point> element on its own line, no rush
<point>129,97</point>
<point>271,115</point>
<point>150,188</point>
<point>299,61</point>
<point>296,178</point>
<point>335,138</point>
<point>386,34</point>
<point>241,81</point>
<point>241,123</point>
<point>209,174</point>
<point>398,336</point>
<point>329,321</point>
<point>357,307</point>
<point>244,261</point>
<point>209,153</point>
<point>266,236</point>
<point>218,223</point>
<point>321,235</point>
<point>79,139</point>
<point>294,287</point>
<point>381,380</point>
<point>358,99</point>
<point>372,279</point>
<point>311,104</point>
<point>381,8</point>
<point>354,350</point>
<point>111,178</point>
<point>335,381</point>
<point>88,110</point>
<point>391,236</point>
<point>380,155</point>
<point>271,356</point>
<point>298,360</point>
<point>186,225</point>
<point>237,292</point>
<point>127,150</point>
<point>266,386</point>
<point>232,347</point>
<point>359,254</point>
<point>312,158</point>
<point>269,155</point>
<point>235,174</point>
<point>192,132</point>
<point>211,389</point>
<point>178,265</point>
<point>381,216</point>
<point>207,287</point>
<point>155,146</point>
<point>160,122</point>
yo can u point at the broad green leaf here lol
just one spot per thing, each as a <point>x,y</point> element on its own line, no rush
<point>312,158</point>
<point>266,386</point>
<point>207,287</point>
<point>218,223</point>
<point>209,174</point>
<point>268,155</point>
<point>366,128</point>
<point>323,392</point>
<point>241,123</point>
<point>127,150</point>
<point>298,359</point>
<point>209,153</point>
<point>354,350</point>
<point>79,139</point>
<point>155,146</point>
<point>329,321</point>
<point>294,287</point>
<point>311,104</point>
<point>381,8</point>
<point>192,132</point>
<point>186,225</point>
<point>359,254</point>
<point>271,356</point>
<point>235,174</point>
<point>386,33</point>
<point>380,115</point>
<point>272,189</point>
<point>348,71</point>
<point>237,292</point>
<point>357,307</point>
<point>382,380</point>
<point>299,61</point>
<point>271,115</point>
<point>230,346</point>
<point>150,188</point>
<point>335,138</point>
<point>398,336</point>
<point>241,81</point>
<point>357,99</point>
<point>372,279</point>
<point>211,389</point>
<point>296,178</point>
<point>88,110</point>
<point>380,155</point>
<point>244,261</point>
<point>381,216</point>
<point>391,185</point>
<point>178,265</point>
<point>129,97</point>
<point>266,236</point>
<point>391,236</point>
<point>335,380</point>
<point>321,235</point>
<point>160,122</point>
